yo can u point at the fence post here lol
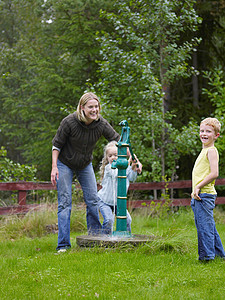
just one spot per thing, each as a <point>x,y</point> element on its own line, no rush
<point>22,197</point>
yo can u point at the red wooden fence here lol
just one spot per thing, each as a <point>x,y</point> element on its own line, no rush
<point>174,185</point>
<point>23,187</point>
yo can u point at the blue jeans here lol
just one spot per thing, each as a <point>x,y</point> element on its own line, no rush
<point>209,242</point>
<point>86,178</point>
<point>107,212</point>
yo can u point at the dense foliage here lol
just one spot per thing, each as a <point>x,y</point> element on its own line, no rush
<point>11,171</point>
<point>147,60</point>
<point>142,57</point>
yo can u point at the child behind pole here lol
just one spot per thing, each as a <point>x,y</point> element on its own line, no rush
<point>108,193</point>
<point>203,195</point>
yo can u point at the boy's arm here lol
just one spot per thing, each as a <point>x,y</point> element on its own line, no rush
<point>213,162</point>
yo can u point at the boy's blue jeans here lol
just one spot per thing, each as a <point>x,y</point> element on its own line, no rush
<point>108,216</point>
<point>209,242</point>
<point>86,178</point>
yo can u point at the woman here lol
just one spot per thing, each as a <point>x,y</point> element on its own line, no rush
<point>72,150</point>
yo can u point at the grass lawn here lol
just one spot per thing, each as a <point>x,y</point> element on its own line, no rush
<point>167,268</point>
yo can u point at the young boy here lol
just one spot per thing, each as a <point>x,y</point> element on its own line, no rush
<point>203,195</point>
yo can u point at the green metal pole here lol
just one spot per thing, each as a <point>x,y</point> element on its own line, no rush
<point>121,164</point>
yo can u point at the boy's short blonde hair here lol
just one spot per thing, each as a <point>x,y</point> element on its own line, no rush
<point>212,122</point>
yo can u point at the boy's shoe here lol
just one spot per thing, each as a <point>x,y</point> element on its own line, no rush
<point>205,261</point>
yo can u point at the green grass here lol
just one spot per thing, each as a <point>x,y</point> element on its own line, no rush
<point>167,268</point>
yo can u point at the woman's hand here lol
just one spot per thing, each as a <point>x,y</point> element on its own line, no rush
<point>54,175</point>
<point>55,171</point>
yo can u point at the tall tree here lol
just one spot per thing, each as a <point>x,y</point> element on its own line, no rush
<point>49,56</point>
<point>216,94</point>
<point>44,64</point>
<point>143,55</point>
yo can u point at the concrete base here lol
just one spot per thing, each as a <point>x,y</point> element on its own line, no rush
<point>112,241</point>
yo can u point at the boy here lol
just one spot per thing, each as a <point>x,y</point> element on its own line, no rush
<point>203,195</point>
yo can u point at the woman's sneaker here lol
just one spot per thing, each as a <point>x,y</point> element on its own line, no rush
<point>62,250</point>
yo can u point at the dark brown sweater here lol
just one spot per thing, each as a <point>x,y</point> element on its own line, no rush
<point>76,140</point>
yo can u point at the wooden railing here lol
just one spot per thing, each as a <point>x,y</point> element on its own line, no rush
<point>23,187</point>
<point>171,185</point>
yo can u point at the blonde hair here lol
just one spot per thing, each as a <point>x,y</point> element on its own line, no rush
<point>83,100</point>
<point>104,161</point>
<point>212,122</point>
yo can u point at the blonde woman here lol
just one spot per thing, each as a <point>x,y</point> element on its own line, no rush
<point>72,150</point>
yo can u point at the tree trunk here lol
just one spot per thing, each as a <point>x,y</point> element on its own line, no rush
<point>195,82</point>
<point>165,106</point>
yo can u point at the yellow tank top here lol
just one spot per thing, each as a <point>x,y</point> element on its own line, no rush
<point>201,170</point>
